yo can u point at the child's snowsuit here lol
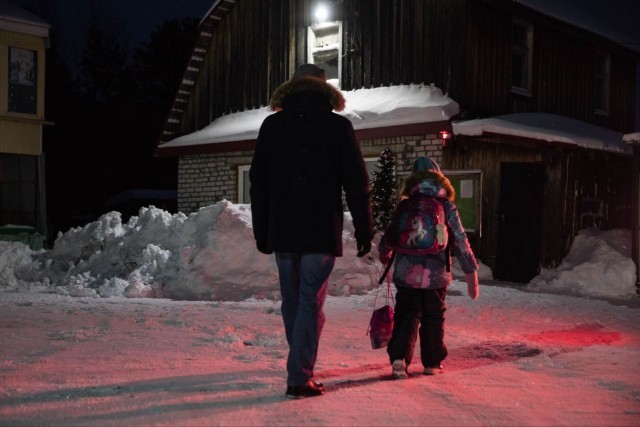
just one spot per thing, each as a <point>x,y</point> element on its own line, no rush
<point>422,280</point>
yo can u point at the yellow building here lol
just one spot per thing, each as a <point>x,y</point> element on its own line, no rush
<point>23,40</point>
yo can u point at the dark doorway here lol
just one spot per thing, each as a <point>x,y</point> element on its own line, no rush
<point>520,221</point>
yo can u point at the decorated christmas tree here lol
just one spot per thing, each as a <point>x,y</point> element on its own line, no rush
<point>383,195</point>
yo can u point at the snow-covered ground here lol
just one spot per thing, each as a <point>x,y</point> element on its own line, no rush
<point>175,320</point>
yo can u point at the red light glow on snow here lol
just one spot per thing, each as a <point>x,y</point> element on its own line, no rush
<point>579,336</point>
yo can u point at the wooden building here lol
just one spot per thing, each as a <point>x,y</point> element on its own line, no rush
<point>23,41</point>
<point>493,58</point>
<point>633,139</point>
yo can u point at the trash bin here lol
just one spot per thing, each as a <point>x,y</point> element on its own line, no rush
<point>22,233</point>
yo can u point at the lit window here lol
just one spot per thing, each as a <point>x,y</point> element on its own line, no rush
<point>325,49</point>
<point>521,57</point>
<point>244,184</point>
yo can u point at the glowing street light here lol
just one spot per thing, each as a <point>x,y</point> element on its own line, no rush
<point>322,13</point>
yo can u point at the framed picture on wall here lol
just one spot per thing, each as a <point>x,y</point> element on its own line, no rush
<point>23,81</point>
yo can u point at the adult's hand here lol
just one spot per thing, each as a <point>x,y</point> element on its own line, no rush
<point>262,247</point>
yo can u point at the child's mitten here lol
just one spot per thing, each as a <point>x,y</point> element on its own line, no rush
<point>472,285</point>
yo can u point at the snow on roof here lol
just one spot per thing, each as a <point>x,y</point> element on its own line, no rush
<point>546,127</point>
<point>14,18</point>
<point>632,138</point>
<point>366,108</point>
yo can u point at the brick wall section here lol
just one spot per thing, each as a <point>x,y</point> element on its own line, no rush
<point>208,178</point>
<point>406,149</point>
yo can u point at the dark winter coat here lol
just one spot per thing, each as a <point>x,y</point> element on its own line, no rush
<point>304,157</point>
<point>430,271</point>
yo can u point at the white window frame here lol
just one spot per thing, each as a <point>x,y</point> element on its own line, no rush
<point>470,188</point>
<point>367,162</point>
<point>242,169</point>
<point>525,52</point>
<point>312,47</point>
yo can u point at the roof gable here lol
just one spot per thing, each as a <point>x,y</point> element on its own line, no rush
<point>14,18</point>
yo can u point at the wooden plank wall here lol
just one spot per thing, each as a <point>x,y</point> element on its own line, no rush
<point>486,68</point>
<point>563,69</point>
<point>462,46</point>
<point>488,154</point>
<point>401,42</point>
<point>472,154</point>
<point>258,44</point>
<point>248,58</point>
<point>571,174</point>
<point>607,176</point>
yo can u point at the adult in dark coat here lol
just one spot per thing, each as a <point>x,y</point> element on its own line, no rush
<point>305,156</point>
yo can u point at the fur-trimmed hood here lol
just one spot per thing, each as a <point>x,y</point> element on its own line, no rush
<point>312,85</point>
<point>431,183</point>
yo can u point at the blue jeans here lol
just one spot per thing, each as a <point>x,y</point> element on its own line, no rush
<point>304,280</point>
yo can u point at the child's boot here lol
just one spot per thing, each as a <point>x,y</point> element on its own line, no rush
<point>398,369</point>
<point>433,370</point>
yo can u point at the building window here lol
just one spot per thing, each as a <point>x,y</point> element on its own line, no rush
<point>325,49</point>
<point>602,71</point>
<point>244,184</point>
<point>521,57</point>
<point>23,81</point>
<point>371,163</point>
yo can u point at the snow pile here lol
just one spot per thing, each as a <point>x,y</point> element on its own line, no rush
<point>598,264</point>
<point>208,255</point>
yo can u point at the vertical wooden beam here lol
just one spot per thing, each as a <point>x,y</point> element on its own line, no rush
<point>635,214</point>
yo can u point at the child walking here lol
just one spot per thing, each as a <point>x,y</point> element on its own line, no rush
<point>422,276</point>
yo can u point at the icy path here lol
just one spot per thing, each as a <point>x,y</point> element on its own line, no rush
<point>515,359</point>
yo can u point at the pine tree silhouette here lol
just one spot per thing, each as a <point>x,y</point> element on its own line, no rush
<point>383,195</point>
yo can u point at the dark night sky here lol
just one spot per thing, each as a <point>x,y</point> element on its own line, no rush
<point>140,16</point>
<point>144,16</point>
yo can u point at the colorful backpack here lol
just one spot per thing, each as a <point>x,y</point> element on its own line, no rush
<point>420,227</point>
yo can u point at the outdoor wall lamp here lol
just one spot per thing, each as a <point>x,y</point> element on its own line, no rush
<point>445,136</point>
<point>321,13</point>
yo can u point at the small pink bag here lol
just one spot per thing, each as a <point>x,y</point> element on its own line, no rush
<point>381,323</point>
